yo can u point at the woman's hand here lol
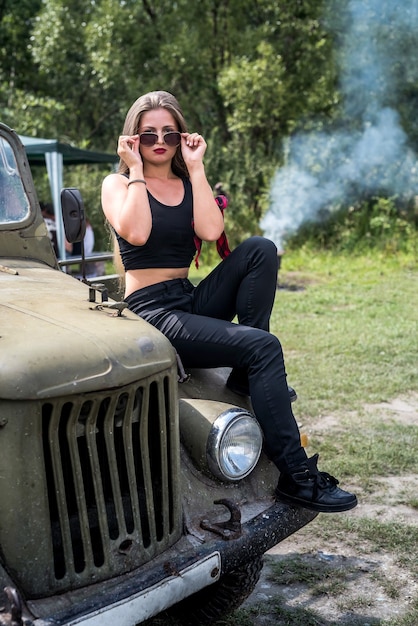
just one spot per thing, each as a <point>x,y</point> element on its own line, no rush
<point>128,150</point>
<point>193,148</point>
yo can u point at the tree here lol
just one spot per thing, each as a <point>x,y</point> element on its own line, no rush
<point>245,73</point>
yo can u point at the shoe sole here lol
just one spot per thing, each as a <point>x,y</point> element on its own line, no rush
<point>320,508</point>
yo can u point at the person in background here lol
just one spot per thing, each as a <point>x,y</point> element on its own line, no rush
<point>158,203</point>
<point>93,268</point>
<point>74,249</point>
<point>49,218</point>
<point>219,190</point>
<point>89,239</point>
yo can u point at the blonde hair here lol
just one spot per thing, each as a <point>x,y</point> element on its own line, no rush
<point>147,102</point>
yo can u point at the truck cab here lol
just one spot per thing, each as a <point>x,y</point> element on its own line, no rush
<point>125,492</point>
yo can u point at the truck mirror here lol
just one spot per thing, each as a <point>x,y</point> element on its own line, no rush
<point>73,214</point>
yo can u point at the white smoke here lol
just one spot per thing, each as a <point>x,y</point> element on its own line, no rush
<point>327,168</point>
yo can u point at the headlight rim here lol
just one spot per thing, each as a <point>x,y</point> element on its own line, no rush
<point>219,428</point>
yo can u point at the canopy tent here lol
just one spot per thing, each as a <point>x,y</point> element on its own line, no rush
<point>55,155</point>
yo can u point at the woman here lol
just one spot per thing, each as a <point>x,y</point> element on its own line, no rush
<point>157,203</point>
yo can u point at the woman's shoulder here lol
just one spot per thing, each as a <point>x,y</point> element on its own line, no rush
<point>115,178</point>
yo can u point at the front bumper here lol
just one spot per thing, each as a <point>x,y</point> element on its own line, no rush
<point>146,604</point>
<point>184,569</point>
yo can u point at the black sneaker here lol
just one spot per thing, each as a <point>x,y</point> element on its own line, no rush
<point>314,490</point>
<point>241,388</point>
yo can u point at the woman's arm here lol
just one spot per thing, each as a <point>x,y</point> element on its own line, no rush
<point>127,206</point>
<point>208,219</point>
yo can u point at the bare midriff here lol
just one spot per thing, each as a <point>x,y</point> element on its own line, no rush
<point>138,279</point>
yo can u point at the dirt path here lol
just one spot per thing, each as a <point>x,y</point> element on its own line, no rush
<point>345,581</point>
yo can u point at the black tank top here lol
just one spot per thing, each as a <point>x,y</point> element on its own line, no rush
<point>171,241</point>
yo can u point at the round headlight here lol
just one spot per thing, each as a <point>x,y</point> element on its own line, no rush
<point>234,445</point>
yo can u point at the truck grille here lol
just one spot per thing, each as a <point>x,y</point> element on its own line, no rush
<point>112,471</point>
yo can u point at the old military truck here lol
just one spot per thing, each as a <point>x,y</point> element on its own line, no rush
<point>124,493</point>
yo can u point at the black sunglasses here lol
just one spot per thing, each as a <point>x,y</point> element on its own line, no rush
<point>172,139</point>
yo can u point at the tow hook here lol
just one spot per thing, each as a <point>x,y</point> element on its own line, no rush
<point>12,617</point>
<point>231,528</point>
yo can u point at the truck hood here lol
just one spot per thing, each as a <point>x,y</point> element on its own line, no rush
<point>54,342</point>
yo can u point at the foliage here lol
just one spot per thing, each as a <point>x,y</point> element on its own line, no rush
<point>248,76</point>
<point>387,224</point>
<point>245,73</point>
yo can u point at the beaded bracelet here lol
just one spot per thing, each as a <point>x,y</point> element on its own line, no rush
<point>137,180</point>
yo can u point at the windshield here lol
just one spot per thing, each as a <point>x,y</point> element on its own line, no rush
<point>14,203</point>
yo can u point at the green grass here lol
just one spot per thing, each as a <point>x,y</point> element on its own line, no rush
<point>396,538</point>
<point>350,335</point>
<point>321,578</point>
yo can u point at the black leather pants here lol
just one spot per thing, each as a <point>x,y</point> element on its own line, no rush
<point>198,323</point>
